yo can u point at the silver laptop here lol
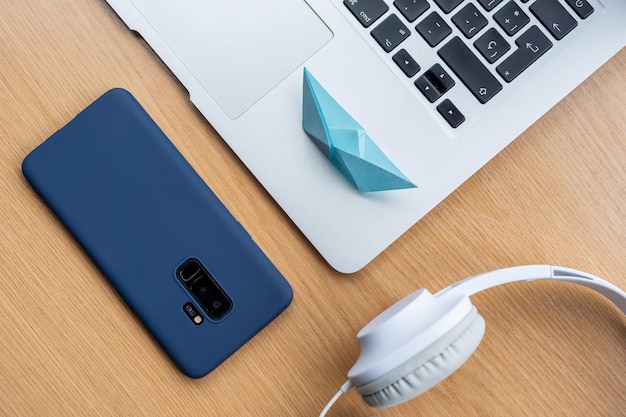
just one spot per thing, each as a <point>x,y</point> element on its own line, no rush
<point>441,86</point>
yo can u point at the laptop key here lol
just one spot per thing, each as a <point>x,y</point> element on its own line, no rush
<point>434,83</point>
<point>492,45</point>
<point>433,29</point>
<point>531,46</point>
<point>411,9</point>
<point>366,11</point>
<point>405,61</point>
<point>476,77</point>
<point>440,78</point>
<point>489,5</point>
<point>428,88</point>
<point>582,8</point>
<point>449,112</point>
<point>469,20</point>
<point>390,33</point>
<point>448,5</point>
<point>511,18</point>
<point>554,17</point>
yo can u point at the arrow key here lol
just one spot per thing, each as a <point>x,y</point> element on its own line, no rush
<point>434,83</point>
<point>406,63</point>
<point>440,78</point>
<point>449,112</point>
<point>426,86</point>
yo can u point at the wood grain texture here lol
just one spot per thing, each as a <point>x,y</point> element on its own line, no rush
<point>69,346</point>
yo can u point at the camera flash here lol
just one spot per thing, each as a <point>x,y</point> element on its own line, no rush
<point>193,314</point>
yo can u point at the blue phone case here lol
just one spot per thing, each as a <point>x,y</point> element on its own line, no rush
<point>141,212</point>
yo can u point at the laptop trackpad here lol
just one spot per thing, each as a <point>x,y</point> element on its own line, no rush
<point>237,50</point>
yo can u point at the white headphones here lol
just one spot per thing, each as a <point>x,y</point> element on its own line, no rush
<point>423,338</point>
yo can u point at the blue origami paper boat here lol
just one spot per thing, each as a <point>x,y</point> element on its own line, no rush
<point>346,143</point>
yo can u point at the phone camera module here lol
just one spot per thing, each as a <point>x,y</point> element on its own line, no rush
<point>209,295</point>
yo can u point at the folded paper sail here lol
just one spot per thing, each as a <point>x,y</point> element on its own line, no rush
<point>345,142</point>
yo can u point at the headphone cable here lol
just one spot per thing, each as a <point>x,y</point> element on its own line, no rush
<point>344,388</point>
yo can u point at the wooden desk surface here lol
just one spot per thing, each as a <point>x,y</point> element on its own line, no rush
<point>69,346</point>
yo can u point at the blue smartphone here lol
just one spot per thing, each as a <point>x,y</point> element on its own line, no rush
<point>171,249</point>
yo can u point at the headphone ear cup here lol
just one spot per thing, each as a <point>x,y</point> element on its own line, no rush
<point>428,367</point>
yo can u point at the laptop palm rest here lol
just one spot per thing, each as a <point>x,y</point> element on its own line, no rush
<point>261,43</point>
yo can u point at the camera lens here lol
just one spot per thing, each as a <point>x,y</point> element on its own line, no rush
<point>189,270</point>
<point>200,288</point>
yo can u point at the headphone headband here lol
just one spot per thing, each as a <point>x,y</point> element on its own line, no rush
<point>484,281</point>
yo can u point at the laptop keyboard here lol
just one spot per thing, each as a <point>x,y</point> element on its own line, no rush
<point>486,44</point>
